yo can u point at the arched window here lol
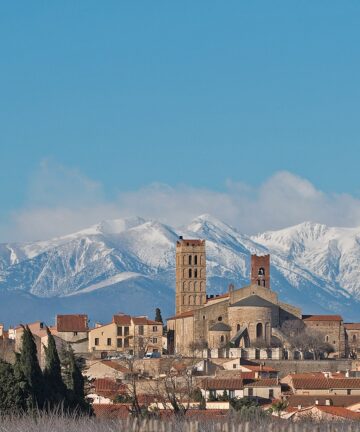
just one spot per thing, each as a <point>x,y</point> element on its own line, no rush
<point>261,271</point>
<point>190,273</point>
<point>259,330</point>
<point>195,273</point>
<point>190,259</point>
<point>222,338</point>
<point>238,327</point>
<point>195,259</point>
<point>220,318</point>
<point>326,338</point>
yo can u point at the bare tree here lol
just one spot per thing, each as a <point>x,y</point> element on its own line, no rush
<point>196,346</point>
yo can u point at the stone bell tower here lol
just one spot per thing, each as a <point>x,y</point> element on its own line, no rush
<point>190,275</point>
<point>260,270</point>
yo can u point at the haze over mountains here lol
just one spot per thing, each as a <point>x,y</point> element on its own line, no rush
<point>128,265</point>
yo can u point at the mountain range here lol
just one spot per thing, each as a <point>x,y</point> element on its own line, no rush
<point>127,265</point>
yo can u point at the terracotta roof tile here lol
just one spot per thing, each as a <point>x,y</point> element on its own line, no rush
<point>266,382</point>
<point>107,385</point>
<point>316,383</point>
<point>322,318</point>
<point>352,326</point>
<point>112,411</point>
<point>340,412</point>
<point>309,400</point>
<point>222,384</point>
<point>122,320</point>
<point>72,323</point>
<point>116,366</point>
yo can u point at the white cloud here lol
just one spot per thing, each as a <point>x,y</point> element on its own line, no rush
<point>62,200</point>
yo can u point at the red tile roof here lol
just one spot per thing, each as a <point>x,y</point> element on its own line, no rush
<point>336,400</point>
<point>182,315</point>
<point>112,411</point>
<point>222,384</point>
<point>122,320</point>
<point>116,366</point>
<point>322,318</point>
<point>72,323</point>
<point>266,382</point>
<point>107,385</point>
<point>352,326</point>
<point>318,383</point>
<point>340,412</point>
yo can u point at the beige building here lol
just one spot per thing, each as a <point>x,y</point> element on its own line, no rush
<point>126,334</point>
<point>352,335</point>
<point>74,330</point>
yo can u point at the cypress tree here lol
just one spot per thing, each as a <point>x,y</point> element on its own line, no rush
<point>30,368</point>
<point>12,396</point>
<point>158,316</point>
<point>55,387</point>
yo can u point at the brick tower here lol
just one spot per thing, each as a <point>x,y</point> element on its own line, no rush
<point>260,270</point>
<point>190,275</point>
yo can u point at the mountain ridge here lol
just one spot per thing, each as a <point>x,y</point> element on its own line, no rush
<point>313,266</point>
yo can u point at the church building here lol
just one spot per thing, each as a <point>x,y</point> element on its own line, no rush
<point>242,317</point>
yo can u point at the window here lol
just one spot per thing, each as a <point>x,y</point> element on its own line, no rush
<point>348,392</point>
<point>195,259</point>
<point>141,330</point>
<point>220,318</point>
<point>96,341</point>
<point>195,273</point>
<point>238,327</point>
<point>119,331</point>
<point>326,338</point>
<point>75,333</point>
<point>222,338</point>
<point>234,365</point>
<point>126,331</point>
<point>190,260</point>
<point>259,330</point>
<point>354,338</point>
<point>119,343</point>
<point>155,329</point>
<point>108,342</point>
<point>212,393</point>
<point>126,343</point>
<point>190,273</point>
<point>250,392</point>
<point>231,394</point>
<point>271,394</point>
<point>154,340</point>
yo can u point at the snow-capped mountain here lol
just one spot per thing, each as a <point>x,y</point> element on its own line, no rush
<point>128,265</point>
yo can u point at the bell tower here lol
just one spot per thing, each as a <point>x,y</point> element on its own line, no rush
<point>260,270</point>
<point>190,274</point>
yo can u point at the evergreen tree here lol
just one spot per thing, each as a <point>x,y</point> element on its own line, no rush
<point>158,316</point>
<point>12,396</point>
<point>74,381</point>
<point>30,368</point>
<point>55,388</point>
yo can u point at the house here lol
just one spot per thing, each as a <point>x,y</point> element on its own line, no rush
<point>126,334</point>
<point>107,369</point>
<point>237,387</point>
<point>74,330</point>
<point>260,371</point>
<point>349,402</point>
<point>105,390</point>
<point>319,413</point>
<point>319,384</point>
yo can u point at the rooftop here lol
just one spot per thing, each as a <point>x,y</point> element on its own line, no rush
<point>72,323</point>
<point>252,301</point>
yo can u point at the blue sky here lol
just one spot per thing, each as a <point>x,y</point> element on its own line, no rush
<point>99,102</point>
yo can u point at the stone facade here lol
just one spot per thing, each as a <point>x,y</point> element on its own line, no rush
<point>352,337</point>
<point>190,275</point>
<point>260,270</point>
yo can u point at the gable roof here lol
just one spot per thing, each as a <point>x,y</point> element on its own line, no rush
<point>116,366</point>
<point>222,384</point>
<point>352,326</point>
<point>318,383</point>
<point>340,412</point>
<point>252,301</point>
<point>335,400</point>
<point>72,323</point>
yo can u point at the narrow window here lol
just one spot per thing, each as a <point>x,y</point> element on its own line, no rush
<point>75,334</point>
<point>195,273</point>
<point>126,331</point>
<point>154,340</point>
<point>222,338</point>
<point>108,341</point>
<point>119,343</point>
<point>190,260</point>
<point>141,330</point>
<point>271,394</point>
<point>119,331</point>
<point>96,341</point>
<point>190,273</point>
<point>195,260</point>
<point>126,343</point>
<point>154,328</point>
